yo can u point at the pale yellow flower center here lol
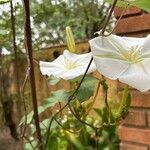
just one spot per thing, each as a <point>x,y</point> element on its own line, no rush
<point>134,55</point>
<point>70,64</point>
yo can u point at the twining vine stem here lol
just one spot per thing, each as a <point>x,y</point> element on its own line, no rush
<point>67,104</point>
<point>102,33</point>
<point>108,17</point>
<point>73,95</point>
<point>32,78</point>
<point>118,20</point>
<point>28,46</point>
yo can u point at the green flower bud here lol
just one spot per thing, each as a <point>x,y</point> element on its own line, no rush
<point>70,40</point>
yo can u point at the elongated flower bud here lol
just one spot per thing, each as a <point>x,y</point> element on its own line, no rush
<point>70,40</point>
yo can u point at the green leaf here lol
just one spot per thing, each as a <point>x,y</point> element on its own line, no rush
<point>57,96</point>
<point>73,140</point>
<point>143,4</point>
<point>28,146</point>
<point>4,1</point>
<point>87,89</point>
<point>53,80</point>
<point>53,142</point>
<point>99,112</point>
<point>29,117</point>
<point>105,115</point>
<point>45,123</point>
<point>3,32</point>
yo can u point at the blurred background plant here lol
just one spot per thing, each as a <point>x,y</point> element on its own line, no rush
<point>74,135</point>
<point>63,131</point>
<point>49,20</point>
<point>73,131</point>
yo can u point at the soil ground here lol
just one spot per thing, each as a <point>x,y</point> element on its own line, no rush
<point>7,142</point>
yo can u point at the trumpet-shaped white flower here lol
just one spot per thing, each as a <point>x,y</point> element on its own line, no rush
<point>123,58</point>
<point>68,66</point>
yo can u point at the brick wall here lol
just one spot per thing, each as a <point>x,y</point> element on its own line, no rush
<point>134,132</point>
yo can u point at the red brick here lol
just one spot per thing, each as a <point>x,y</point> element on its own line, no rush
<point>148,118</point>
<point>135,117</point>
<point>124,146</point>
<point>130,11</point>
<point>133,24</point>
<point>137,135</point>
<point>136,34</point>
<point>139,99</point>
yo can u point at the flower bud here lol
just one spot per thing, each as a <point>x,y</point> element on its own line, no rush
<point>70,40</point>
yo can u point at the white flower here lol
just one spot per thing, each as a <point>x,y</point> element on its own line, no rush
<point>123,58</point>
<point>68,66</point>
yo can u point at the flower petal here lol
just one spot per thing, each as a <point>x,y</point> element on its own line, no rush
<point>101,45</point>
<point>146,44</point>
<point>59,60</point>
<point>136,77</point>
<point>132,41</point>
<point>70,56</point>
<point>68,65</point>
<point>119,42</point>
<point>79,70</point>
<point>109,46</point>
<point>111,68</point>
<point>79,58</point>
<point>146,65</point>
<point>71,74</point>
<point>49,68</point>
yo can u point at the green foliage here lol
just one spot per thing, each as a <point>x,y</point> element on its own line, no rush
<point>106,116</point>
<point>143,4</point>
<point>72,138</point>
<point>103,113</point>
<point>81,137</point>
<point>53,80</point>
<point>57,96</point>
<point>112,117</point>
<point>28,118</point>
<point>28,146</point>
<point>52,17</point>
<point>87,88</point>
<point>6,27</point>
<point>49,20</point>
<point>109,139</point>
<point>4,1</point>
<point>124,105</point>
<point>67,132</point>
<point>45,123</point>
